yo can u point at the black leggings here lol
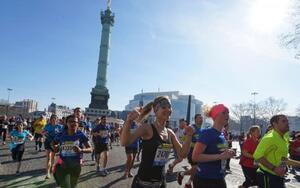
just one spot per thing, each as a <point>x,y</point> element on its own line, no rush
<point>135,183</point>
<point>209,183</point>
<point>267,180</point>
<point>4,131</point>
<point>250,176</point>
<point>17,152</point>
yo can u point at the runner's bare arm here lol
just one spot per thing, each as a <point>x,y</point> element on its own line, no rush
<point>247,154</point>
<point>128,138</point>
<point>293,163</point>
<point>87,149</point>
<point>182,150</point>
<point>30,136</point>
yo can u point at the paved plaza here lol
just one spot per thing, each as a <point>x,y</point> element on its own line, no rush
<point>33,171</point>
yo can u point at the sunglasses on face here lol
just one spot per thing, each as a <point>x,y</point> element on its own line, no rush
<point>164,103</point>
<point>73,121</point>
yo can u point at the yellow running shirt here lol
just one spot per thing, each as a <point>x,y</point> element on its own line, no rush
<point>273,147</point>
<point>39,125</point>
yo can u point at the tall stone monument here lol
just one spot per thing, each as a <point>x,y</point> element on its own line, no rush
<point>100,94</point>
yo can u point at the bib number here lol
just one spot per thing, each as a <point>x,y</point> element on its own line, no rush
<point>162,155</point>
<point>67,148</point>
<point>104,134</point>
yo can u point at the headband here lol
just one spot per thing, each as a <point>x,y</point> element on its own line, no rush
<point>216,110</point>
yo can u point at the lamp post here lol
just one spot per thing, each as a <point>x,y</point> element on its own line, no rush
<point>188,113</point>
<point>141,102</point>
<point>8,95</point>
<point>53,99</point>
<point>254,107</point>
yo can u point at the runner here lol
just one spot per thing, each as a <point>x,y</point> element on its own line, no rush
<point>3,128</point>
<point>228,138</point>
<point>193,170</point>
<point>272,153</point>
<point>11,125</point>
<point>211,150</point>
<point>100,139</point>
<point>180,136</point>
<point>157,142</point>
<point>131,152</point>
<point>77,113</point>
<point>95,123</point>
<point>70,145</point>
<point>249,166</point>
<point>17,145</point>
<point>294,149</point>
<point>38,126</point>
<point>50,131</point>
<point>117,133</point>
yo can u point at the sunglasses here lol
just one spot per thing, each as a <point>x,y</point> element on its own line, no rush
<point>72,121</point>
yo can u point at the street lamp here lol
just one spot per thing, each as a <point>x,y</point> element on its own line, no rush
<point>8,91</point>
<point>53,99</point>
<point>254,107</point>
<point>141,102</point>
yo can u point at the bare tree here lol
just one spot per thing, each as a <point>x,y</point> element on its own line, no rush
<point>239,110</point>
<point>272,106</point>
<point>291,40</point>
<point>298,111</point>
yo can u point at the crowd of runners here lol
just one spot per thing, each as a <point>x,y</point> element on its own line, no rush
<point>264,159</point>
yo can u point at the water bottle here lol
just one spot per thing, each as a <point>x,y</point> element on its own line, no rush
<point>283,162</point>
<point>255,163</point>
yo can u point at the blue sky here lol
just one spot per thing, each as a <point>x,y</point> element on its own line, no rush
<point>216,50</point>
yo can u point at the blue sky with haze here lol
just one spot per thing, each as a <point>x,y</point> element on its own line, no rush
<point>216,50</point>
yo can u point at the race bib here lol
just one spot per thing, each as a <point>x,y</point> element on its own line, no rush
<point>162,154</point>
<point>18,140</point>
<point>132,131</point>
<point>104,133</point>
<point>67,148</point>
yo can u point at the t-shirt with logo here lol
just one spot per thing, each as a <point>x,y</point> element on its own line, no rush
<point>52,131</point>
<point>215,144</point>
<point>67,143</point>
<point>19,137</point>
<point>195,137</point>
<point>103,138</point>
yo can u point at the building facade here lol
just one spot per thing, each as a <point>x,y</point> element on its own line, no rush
<point>59,110</point>
<point>23,108</point>
<point>179,104</point>
<point>294,123</point>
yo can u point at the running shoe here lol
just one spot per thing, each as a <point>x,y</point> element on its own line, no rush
<point>105,171</point>
<point>98,169</point>
<point>47,176</point>
<point>102,173</point>
<point>130,175</point>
